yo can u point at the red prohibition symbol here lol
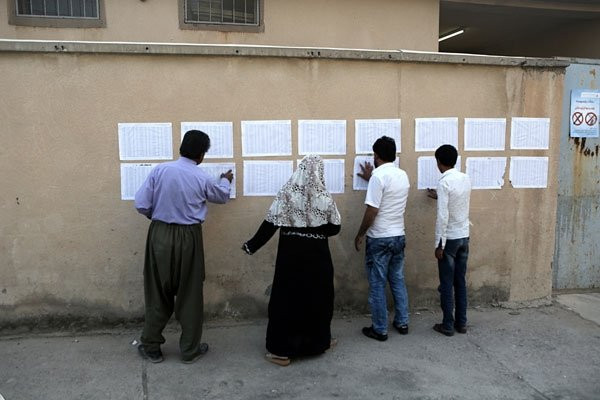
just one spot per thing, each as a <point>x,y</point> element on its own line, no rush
<point>577,118</point>
<point>591,118</point>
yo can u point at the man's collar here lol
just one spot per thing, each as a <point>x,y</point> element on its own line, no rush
<point>187,160</point>
<point>385,165</point>
<point>448,172</point>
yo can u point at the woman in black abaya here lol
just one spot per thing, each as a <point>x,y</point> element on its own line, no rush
<point>301,303</point>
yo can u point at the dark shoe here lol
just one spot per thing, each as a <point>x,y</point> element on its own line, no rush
<point>460,329</point>
<point>370,332</point>
<point>402,329</point>
<point>201,351</point>
<point>152,356</point>
<point>440,328</point>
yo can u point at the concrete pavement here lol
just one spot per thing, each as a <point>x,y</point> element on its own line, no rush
<point>587,305</point>
<point>536,353</point>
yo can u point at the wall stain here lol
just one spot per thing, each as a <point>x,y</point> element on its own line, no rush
<point>582,149</point>
<point>64,315</point>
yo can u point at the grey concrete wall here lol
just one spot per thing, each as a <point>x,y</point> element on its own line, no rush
<point>576,39</point>
<point>577,251</point>
<point>70,248</point>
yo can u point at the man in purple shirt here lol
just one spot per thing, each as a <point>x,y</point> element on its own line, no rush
<point>174,197</point>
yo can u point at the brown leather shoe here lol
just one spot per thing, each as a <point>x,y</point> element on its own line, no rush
<point>440,328</point>
<point>460,329</point>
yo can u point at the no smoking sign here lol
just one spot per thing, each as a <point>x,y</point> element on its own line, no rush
<point>585,108</point>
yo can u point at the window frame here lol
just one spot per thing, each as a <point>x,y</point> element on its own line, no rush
<point>229,27</point>
<point>55,22</point>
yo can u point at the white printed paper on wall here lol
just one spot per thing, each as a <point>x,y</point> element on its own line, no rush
<point>220,134</point>
<point>486,172</point>
<point>431,133</point>
<point>216,169</point>
<point>145,141</point>
<point>530,133</point>
<point>266,138</point>
<point>324,137</point>
<point>428,173</point>
<point>529,172</point>
<point>359,183</point>
<point>132,178</point>
<point>367,131</point>
<point>265,178</point>
<point>485,134</point>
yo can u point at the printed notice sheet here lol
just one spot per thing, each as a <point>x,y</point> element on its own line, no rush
<point>147,141</point>
<point>359,183</point>
<point>486,172</point>
<point>428,173</point>
<point>485,134</point>
<point>322,137</point>
<point>334,175</point>
<point>431,133</point>
<point>266,138</point>
<point>530,133</point>
<point>265,178</point>
<point>216,169</point>
<point>585,109</point>
<point>529,172</point>
<point>367,131</point>
<point>132,178</point>
<point>220,134</point>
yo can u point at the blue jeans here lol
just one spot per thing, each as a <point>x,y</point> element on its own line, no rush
<point>452,269</point>
<point>385,263</point>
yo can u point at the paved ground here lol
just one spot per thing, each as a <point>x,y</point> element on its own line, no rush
<point>585,304</point>
<point>543,353</point>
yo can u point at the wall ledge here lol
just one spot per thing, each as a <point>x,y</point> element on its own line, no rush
<point>236,50</point>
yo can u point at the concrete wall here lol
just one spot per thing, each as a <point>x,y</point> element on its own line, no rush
<point>70,247</point>
<point>380,24</point>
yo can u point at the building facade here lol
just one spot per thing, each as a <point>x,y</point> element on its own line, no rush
<point>72,248</point>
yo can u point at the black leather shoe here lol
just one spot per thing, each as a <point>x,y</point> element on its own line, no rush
<point>203,348</point>
<point>368,331</point>
<point>152,356</point>
<point>440,328</point>
<point>402,329</point>
<point>460,329</point>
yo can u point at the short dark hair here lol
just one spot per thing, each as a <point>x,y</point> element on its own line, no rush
<point>385,148</point>
<point>194,144</point>
<point>446,155</point>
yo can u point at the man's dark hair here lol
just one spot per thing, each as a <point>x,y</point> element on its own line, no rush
<point>446,155</point>
<point>385,148</point>
<point>194,144</point>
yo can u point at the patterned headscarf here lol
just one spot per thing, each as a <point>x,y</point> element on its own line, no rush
<point>304,201</point>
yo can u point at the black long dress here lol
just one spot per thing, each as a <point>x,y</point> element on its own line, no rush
<point>301,303</point>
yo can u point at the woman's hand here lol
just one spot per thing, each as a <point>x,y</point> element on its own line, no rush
<point>246,249</point>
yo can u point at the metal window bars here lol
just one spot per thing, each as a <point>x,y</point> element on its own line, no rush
<point>58,8</point>
<point>222,12</point>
